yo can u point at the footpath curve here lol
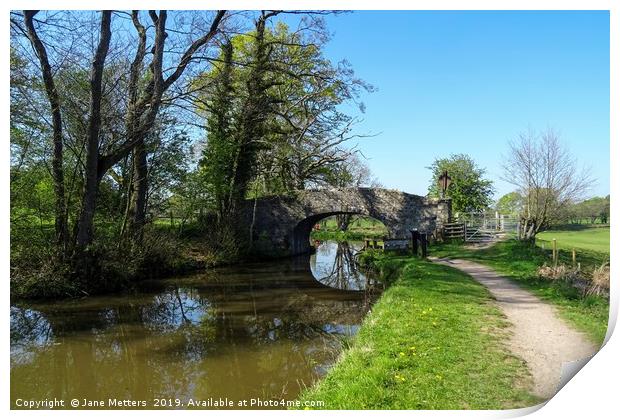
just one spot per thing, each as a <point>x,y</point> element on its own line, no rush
<point>538,336</point>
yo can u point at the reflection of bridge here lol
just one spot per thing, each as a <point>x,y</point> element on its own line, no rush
<point>282,225</point>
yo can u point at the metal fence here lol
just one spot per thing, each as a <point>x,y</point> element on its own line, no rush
<point>479,227</point>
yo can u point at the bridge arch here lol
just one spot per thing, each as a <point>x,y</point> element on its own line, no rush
<point>282,225</point>
<point>303,229</point>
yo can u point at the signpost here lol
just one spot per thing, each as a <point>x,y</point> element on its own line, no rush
<point>444,182</point>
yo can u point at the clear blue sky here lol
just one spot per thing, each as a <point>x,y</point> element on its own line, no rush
<point>468,82</point>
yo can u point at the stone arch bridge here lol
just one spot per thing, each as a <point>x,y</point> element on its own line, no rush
<point>281,226</point>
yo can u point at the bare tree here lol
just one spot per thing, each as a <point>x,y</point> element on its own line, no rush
<point>143,110</point>
<point>143,107</point>
<point>547,176</point>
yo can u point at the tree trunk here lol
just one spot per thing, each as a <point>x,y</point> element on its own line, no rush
<point>60,209</point>
<point>137,209</point>
<point>529,230</point>
<point>92,176</point>
<point>253,222</point>
<point>254,112</point>
<point>343,221</point>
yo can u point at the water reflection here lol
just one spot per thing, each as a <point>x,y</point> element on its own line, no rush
<point>262,330</point>
<point>335,265</point>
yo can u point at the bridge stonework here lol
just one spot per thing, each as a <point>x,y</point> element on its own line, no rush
<point>281,226</point>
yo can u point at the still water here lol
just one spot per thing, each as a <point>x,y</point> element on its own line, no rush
<point>262,331</point>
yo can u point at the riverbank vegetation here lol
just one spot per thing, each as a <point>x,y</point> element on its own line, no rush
<point>122,120</point>
<point>522,262</point>
<point>434,340</point>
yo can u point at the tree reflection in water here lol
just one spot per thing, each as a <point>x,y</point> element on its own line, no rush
<point>335,265</point>
<point>266,330</point>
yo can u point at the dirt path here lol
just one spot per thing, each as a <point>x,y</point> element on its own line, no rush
<point>539,336</point>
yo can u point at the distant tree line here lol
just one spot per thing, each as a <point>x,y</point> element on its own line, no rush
<point>590,211</point>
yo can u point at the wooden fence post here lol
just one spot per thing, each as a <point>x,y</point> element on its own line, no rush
<point>424,243</point>
<point>415,238</point>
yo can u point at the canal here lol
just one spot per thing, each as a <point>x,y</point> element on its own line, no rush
<point>265,330</point>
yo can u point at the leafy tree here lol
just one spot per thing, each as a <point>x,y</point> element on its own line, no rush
<point>168,148</point>
<point>303,137</point>
<point>190,198</point>
<point>271,102</point>
<point>237,104</point>
<point>604,212</point>
<point>218,155</point>
<point>510,204</point>
<point>469,190</point>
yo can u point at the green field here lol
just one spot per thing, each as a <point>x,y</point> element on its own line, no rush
<point>360,227</point>
<point>577,236</point>
<point>432,341</point>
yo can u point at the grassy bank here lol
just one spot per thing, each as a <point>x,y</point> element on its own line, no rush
<point>520,262</point>
<point>432,341</point>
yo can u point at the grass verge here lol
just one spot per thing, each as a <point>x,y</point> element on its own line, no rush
<point>432,341</point>
<point>520,261</point>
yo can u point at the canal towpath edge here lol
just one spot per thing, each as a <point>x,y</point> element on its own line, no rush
<point>545,342</point>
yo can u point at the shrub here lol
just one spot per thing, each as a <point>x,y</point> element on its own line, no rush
<point>50,279</point>
<point>570,280</point>
<point>105,266</point>
<point>600,281</point>
<point>560,272</point>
